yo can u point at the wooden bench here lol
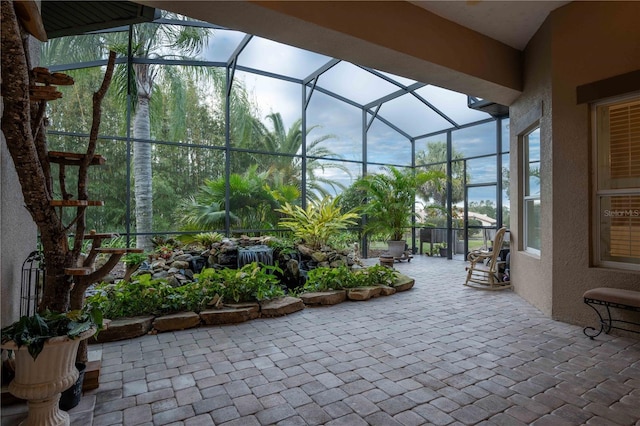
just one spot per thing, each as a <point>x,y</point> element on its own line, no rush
<point>628,300</point>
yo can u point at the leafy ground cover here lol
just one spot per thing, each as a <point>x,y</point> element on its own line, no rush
<point>253,282</point>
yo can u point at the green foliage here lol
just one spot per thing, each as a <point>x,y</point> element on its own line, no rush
<point>134,259</point>
<point>391,200</point>
<point>147,296</point>
<point>282,245</point>
<point>437,247</point>
<point>205,239</point>
<point>375,275</point>
<point>253,282</point>
<point>286,170</point>
<point>209,238</point>
<point>344,239</point>
<point>251,203</point>
<point>35,330</point>
<point>434,158</point>
<point>318,223</point>
<point>325,279</point>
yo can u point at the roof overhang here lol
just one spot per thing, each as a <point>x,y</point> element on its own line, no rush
<point>65,18</point>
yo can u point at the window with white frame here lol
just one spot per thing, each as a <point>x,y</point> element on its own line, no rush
<point>617,192</point>
<point>531,199</point>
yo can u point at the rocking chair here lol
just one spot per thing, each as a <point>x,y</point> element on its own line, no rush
<point>484,271</point>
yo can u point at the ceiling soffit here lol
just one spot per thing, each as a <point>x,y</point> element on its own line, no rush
<point>64,18</point>
<point>396,37</point>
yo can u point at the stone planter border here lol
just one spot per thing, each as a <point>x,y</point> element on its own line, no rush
<point>127,328</point>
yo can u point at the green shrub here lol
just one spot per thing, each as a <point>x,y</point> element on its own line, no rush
<point>375,275</point>
<point>344,240</point>
<point>325,279</point>
<point>317,224</point>
<point>147,296</point>
<point>134,259</point>
<point>206,239</point>
<point>253,282</point>
<point>283,246</point>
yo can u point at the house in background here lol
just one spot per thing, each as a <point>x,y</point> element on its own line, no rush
<point>565,69</point>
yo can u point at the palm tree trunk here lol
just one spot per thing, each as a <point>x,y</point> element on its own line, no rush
<point>142,172</point>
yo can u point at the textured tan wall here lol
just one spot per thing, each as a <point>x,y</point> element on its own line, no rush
<point>532,275</point>
<point>17,229</point>
<point>579,43</point>
<point>591,41</point>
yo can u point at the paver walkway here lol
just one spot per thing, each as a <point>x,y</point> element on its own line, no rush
<point>440,354</point>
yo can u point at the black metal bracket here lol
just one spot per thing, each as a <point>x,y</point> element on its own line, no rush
<point>608,323</point>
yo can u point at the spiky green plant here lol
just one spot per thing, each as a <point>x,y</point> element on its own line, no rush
<point>316,224</point>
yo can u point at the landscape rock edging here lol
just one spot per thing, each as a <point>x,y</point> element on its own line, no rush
<point>128,328</point>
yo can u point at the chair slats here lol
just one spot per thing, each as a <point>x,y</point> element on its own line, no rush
<point>483,271</point>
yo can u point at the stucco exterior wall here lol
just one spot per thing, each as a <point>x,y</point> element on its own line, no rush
<point>591,41</point>
<point>531,274</point>
<point>17,230</point>
<point>579,43</point>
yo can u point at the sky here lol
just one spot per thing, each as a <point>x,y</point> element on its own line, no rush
<point>327,115</point>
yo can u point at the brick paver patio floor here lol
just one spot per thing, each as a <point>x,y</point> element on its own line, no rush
<point>440,354</point>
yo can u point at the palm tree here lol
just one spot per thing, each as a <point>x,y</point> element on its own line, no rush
<point>152,41</point>
<point>391,199</point>
<point>252,203</point>
<point>287,168</point>
<point>149,41</point>
<point>435,159</point>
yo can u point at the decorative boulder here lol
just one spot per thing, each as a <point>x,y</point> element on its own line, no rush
<point>180,264</point>
<point>159,275</point>
<point>403,283</point>
<point>324,297</point>
<point>281,306</point>
<point>124,328</point>
<point>319,256</point>
<point>179,321</point>
<point>231,314</point>
<point>184,257</point>
<point>364,293</point>
<point>385,290</point>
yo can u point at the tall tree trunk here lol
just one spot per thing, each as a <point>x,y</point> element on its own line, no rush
<point>142,161</point>
<point>57,285</point>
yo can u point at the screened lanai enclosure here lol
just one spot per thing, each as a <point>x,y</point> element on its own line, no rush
<point>210,129</point>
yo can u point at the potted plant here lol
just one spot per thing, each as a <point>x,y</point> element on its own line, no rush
<point>68,272</point>
<point>391,198</point>
<point>441,249</point>
<point>45,347</point>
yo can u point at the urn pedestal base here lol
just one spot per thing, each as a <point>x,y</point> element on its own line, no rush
<point>46,412</point>
<point>42,380</point>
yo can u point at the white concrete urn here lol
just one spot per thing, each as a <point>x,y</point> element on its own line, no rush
<point>41,382</point>
<point>396,248</point>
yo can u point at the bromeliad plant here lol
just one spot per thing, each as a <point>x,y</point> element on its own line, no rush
<point>318,223</point>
